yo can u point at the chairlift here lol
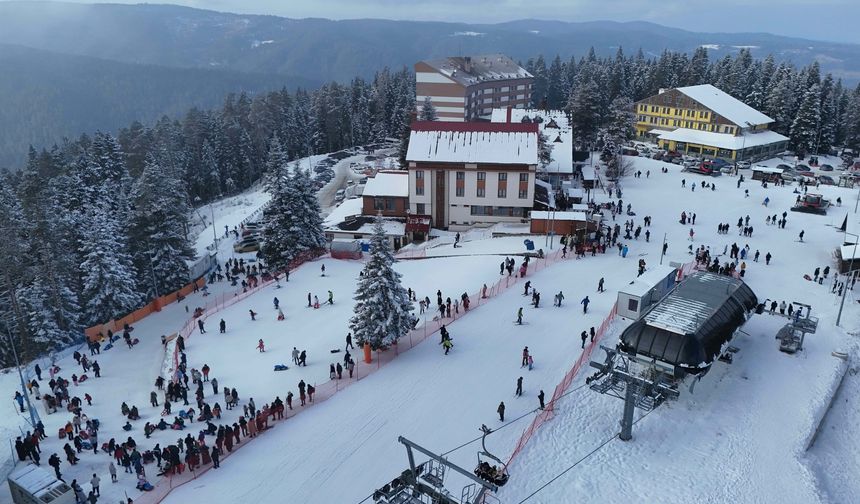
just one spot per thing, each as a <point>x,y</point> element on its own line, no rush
<point>486,469</point>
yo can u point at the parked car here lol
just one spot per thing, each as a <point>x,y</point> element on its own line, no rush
<point>827,180</point>
<point>339,195</point>
<point>659,155</point>
<point>784,166</point>
<point>825,167</point>
<point>627,151</point>
<point>743,165</point>
<point>249,244</point>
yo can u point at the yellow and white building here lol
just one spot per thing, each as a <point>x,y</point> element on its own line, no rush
<point>704,120</point>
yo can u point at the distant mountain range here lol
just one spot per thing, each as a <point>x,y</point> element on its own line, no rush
<point>166,58</point>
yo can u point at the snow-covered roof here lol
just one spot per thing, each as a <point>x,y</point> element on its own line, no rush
<point>33,478</point>
<point>725,105</point>
<point>559,216</point>
<point>849,251</point>
<point>650,279</point>
<point>391,227</point>
<point>767,169</point>
<point>473,143</point>
<point>588,173</point>
<point>482,68</point>
<point>554,125</point>
<point>723,140</point>
<point>346,209</point>
<point>575,192</point>
<point>388,183</point>
<point>579,207</point>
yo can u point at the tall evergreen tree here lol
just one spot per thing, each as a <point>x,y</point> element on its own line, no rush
<point>382,312</point>
<point>804,129</point>
<point>428,111</point>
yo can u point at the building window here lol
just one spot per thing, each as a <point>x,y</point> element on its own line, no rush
<point>419,190</point>
<point>461,191</point>
<point>524,193</point>
<point>419,174</point>
<point>524,177</point>
<point>461,175</point>
<point>419,209</point>
<point>503,193</point>
<point>482,175</point>
<point>481,192</point>
<point>503,177</point>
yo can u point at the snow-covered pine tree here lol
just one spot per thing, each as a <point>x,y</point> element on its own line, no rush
<point>161,249</point>
<point>619,122</point>
<point>804,129</point>
<point>382,308</point>
<point>308,219</point>
<point>428,111</point>
<point>584,107</point>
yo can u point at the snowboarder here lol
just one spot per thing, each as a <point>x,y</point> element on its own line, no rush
<point>519,391</point>
<point>501,411</point>
<point>222,326</point>
<point>540,399</point>
<point>261,346</point>
<point>584,303</point>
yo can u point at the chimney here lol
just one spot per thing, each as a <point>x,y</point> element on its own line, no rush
<point>508,118</point>
<point>467,64</point>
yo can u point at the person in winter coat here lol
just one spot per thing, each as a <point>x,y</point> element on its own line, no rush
<point>447,345</point>
<point>331,371</point>
<point>339,371</point>
<point>559,298</point>
<point>349,341</point>
<point>214,383</point>
<point>350,366</point>
<point>54,461</point>
<point>501,411</point>
<point>303,358</point>
<point>600,285</point>
<point>205,370</point>
<point>519,390</point>
<point>261,346</point>
<point>253,314</point>
<point>94,481</point>
<point>222,326</point>
<point>216,457</point>
<point>782,308</point>
<point>584,303</point>
<point>591,334</point>
<point>330,298</point>
<point>112,471</point>
<point>525,357</point>
<point>540,399</point>
<point>200,326</point>
<point>520,316</point>
<point>20,400</point>
<point>584,337</point>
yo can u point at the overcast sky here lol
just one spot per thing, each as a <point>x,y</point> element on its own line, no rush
<point>834,20</point>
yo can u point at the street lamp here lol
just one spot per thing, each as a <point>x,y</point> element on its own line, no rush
<point>850,268</point>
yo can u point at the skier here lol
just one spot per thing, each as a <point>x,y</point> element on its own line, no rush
<point>316,302</point>
<point>447,345</point>
<point>261,346</point>
<point>802,232</point>
<point>253,314</point>
<point>501,411</point>
<point>526,290</point>
<point>519,391</point>
<point>600,285</point>
<point>200,326</point>
<point>540,399</point>
<point>222,326</point>
<point>584,303</point>
<point>330,298</point>
<point>519,318</point>
<point>525,357</point>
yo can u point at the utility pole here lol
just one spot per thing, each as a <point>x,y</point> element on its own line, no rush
<point>663,249</point>
<point>34,415</point>
<point>845,287</point>
<point>214,231</point>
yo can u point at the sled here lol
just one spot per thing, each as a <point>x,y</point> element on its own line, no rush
<point>807,277</point>
<point>135,341</point>
<point>108,346</point>
<point>82,378</point>
<point>316,306</point>
<point>281,367</point>
<point>145,487</point>
<point>336,350</point>
<point>61,433</point>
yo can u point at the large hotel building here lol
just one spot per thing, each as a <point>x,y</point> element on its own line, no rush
<point>468,88</point>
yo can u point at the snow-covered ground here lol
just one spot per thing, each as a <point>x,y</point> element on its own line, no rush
<point>741,436</point>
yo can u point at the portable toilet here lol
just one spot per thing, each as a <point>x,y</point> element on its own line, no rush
<point>30,484</point>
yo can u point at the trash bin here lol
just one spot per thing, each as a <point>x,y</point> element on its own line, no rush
<point>530,245</point>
